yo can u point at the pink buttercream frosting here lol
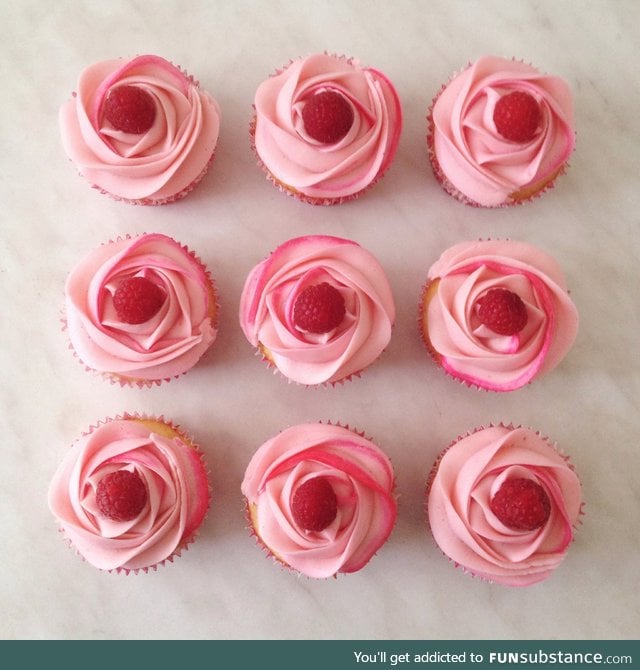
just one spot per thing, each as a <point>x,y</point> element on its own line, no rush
<point>335,171</point>
<point>270,293</point>
<point>166,345</point>
<point>469,350</point>
<point>465,480</point>
<point>476,162</point>
<point>362,478</point>
<point>173,475</point>
<point>159,165</point>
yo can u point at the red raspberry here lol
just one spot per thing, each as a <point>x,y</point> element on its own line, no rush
<point>137,299</point>
<point>130,109</point>
<point>502,311</point>
<point>517,116</point>
<point>521,504</point>
<point>121,495</point>
<point>314,504</point>
<point>319,308</point>
<point>327,116</point>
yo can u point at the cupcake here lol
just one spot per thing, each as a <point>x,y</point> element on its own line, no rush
<point>325,128</point>
<point>500,132</point>
<point>496,313</point>
<point>319,309</point>
<point>140,130</point>
<point>320,499</point>
<point>503,503</point>
<point>131,493</point>
<point>140,310</point>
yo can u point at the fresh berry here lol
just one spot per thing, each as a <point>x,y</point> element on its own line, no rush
<point>502,311</point>
<point>517,116</point>
<point>319,309</point>
<point>314,504</point>
<point>130,109</point>
<point>327,116</point>
<point>121,495</point>
<point>137,299</point>
<point>521,504</point>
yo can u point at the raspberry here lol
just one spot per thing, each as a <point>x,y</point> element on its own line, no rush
<point>327,117</point>
<point>314,504</point>
<point>517,116</point>
<point>521,504</point>
<point>137,299</point>
<point>130,109</point>
<point>502,311</point>
<point>121,495</point>
<point>319,308</point>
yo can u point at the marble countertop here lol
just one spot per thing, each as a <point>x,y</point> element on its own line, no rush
<point>224,587</point>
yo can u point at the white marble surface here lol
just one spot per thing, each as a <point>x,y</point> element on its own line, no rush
<point>223,587</point>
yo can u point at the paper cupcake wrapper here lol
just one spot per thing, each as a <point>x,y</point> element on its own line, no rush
<point>123,380</point>
<point>186,439</point>
<point>262,353</point>
<point>153,202</point>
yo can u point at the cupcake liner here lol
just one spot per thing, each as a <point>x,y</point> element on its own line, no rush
<point>132,382</point>
<point>155,202</point>
<point>289,190</point>
<point>518,197</point>
<point>262,353</point>
<point>170,429</point>
<point>434,469</point>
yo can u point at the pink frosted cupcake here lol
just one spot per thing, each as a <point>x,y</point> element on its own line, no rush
<point>140,130</point>
<point>326,128</point>
<point>319,309</point>
<point>500,132</point>
<point>131,493</point>
<point>496,313</point>
<point>140,310</point>
<point>503,503</point>
<point>320,499</point>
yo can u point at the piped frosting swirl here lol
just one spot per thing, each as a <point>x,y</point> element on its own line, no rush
<point>165,346</point>
<point>158,165</point>
<point>362,478</point>
<point>269,297</point>
<point>466,479</point>
<point>335,171</point>
<point>175,480</point>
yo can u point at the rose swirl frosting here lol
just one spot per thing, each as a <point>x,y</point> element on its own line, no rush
<point>160,163</point>
<point>269,297</point>
<point>164,346</point>
<point>361,477</point>
<point>465,481</point>
<point>334,170</point>
<point>176,501</point>
<point>472,352</point>
<point>474,157</point>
